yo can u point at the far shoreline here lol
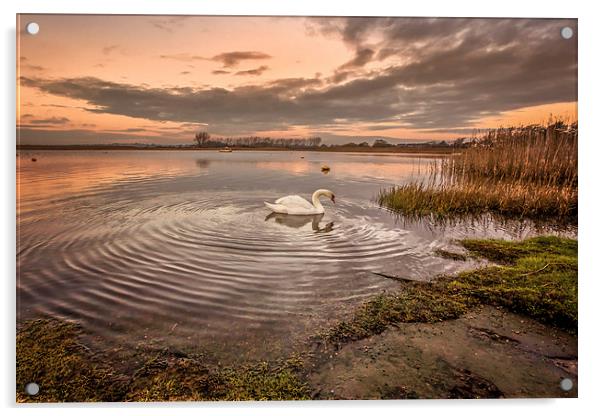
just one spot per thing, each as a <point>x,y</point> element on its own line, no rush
<point>337,149</point>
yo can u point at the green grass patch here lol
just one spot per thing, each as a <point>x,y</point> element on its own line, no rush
<point>450,255</point>
<point>508,252</point>
<point>49,354</point>
<point>414,302</point>
<point>538,278</point>
<point>189,380</point>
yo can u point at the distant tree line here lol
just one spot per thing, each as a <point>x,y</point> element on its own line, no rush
<point>204,139</point>
<point>462,142</point>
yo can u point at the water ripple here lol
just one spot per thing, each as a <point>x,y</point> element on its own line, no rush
<point>157,249</point>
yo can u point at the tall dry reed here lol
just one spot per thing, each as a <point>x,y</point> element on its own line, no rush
<point>528,171</point>
<point>530,154</point>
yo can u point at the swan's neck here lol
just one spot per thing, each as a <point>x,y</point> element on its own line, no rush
<point>315,198</point>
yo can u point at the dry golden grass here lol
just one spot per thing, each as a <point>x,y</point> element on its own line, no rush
<point>516,172</point>
<point>532,154</point>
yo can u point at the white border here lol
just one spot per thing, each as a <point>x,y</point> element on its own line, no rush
<point>590,152</point>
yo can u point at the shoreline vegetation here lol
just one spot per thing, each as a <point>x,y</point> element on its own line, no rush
<point>535,279</point>
<point>519,172</point>
<point>411,149</point>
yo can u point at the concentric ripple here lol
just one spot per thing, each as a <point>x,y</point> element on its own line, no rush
<point>206,258</point>
<point>182,256</point>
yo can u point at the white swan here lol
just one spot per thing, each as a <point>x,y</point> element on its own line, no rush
<point>295,205</point>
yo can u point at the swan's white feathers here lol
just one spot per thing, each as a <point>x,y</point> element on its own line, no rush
<point>295,205</point>
<point>279,209</point>
<point>294,201</point>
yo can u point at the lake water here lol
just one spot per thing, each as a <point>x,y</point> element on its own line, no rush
<point>176,249</point>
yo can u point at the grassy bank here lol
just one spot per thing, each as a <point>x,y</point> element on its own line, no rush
<point>49,353</point>
<point>535,277</point>
<point>527,172</point>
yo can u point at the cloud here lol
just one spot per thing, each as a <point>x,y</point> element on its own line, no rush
<point>33,123</point>
<point>108,49</point>
<point>353,67</point>
<point>168,24</point>
<point>463,131</point>
<point>434,75</point>
<point>362,57</point>
<point>29,135</point>
<point>220,72</point>
<point>254,72</point>
<point>227,59</point>
<point>232,59</point>
<point>128,130</point>
<point>340,76</point>
<point>293,85</point>
<point>51,120</point>
<point>184,72</point>
<point>62,106</point>
<point>186,57</point>
<point>25,63</point>
<point>378,127</point>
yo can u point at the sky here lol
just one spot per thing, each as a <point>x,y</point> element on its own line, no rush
<point>92,79</point>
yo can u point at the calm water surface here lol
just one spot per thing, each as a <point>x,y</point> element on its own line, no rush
<point>176,249</point>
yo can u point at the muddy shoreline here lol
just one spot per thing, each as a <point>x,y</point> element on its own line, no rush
<point>487,353</point>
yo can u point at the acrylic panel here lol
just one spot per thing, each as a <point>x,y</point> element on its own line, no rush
<point>291,208</point>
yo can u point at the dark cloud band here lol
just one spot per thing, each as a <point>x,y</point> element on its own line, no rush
<point>429,74</point>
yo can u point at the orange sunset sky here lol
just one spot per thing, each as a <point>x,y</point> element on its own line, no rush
<point>87,79</point>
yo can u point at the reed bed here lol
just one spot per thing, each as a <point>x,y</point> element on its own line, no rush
<point>518,172</point>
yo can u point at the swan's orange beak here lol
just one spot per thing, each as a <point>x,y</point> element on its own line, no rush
<point>332,198</point>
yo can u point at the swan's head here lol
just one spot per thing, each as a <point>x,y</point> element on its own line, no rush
<point>323,192</point>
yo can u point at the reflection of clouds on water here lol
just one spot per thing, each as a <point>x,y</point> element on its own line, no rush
<point>294,167</point>
<point>299,221</point>
<point>392,169</point>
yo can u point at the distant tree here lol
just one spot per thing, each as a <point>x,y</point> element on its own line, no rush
<point>201,138</point>
<point>314,141</point>
<point>381,143</point>
<point>204,139</point>
<point>459,142</point>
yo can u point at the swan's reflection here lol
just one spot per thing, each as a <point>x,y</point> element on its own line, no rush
<point>298,221</point>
